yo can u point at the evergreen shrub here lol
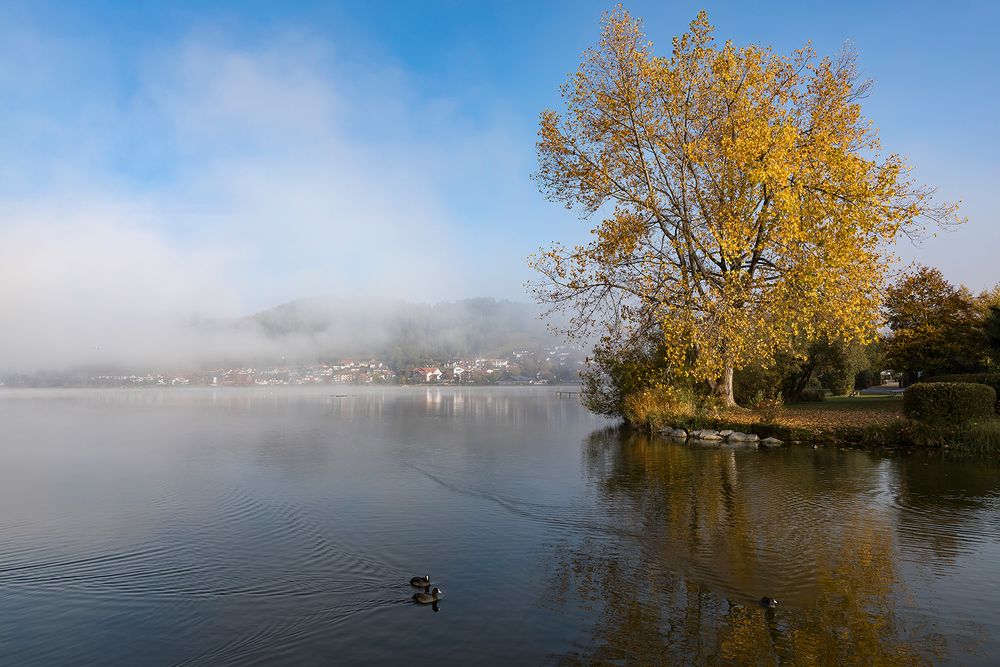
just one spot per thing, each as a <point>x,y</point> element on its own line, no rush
<point>989,379</point>
<point>948,402</point>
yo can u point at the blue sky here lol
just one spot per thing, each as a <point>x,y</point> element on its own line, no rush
<point>166,160</point>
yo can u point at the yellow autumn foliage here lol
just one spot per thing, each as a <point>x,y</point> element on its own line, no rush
<point>743,199</point>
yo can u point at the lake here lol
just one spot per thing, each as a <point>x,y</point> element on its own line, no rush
<point>282,526</point>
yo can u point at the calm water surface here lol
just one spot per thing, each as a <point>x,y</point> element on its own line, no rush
<point>202,527</point>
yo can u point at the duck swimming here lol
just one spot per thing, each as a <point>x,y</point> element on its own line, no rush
<point>421,582</point>
<point>428,598</point>
<point>768,602</point>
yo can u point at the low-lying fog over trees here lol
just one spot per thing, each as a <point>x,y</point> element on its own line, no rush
<point>397,332</point>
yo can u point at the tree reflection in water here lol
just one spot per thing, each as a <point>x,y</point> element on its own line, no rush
<point>697,536</point>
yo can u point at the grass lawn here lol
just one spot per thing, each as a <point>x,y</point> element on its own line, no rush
<point>881,402</point>
<point>833,412</point>
<point>842,411</point>
<point>872,420</point>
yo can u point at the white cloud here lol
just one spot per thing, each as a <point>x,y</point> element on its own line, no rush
<point>227,181</point>
<point>96,286</point>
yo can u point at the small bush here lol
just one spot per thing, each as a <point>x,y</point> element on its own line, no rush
<point>948,402</point>
<point>812,395</point>
<point>769,409</point>
<point>756,383</point>
<point>653,408</point>
<point>989,379</point>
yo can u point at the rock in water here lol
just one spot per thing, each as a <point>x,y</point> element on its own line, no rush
<point>771,442</point>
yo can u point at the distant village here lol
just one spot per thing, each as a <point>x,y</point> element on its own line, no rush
<point>557,364</point>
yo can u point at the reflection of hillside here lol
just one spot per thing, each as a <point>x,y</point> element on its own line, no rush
<point>719,529</point>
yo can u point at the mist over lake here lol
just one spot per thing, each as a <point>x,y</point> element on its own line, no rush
<point>258,526</point>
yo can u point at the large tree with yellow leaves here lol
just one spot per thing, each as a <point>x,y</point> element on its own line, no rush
<point>744,201</point>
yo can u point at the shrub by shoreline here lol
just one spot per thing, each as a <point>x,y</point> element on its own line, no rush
<point>876,422</point>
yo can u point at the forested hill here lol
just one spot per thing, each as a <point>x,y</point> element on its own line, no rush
<point>402,333</point>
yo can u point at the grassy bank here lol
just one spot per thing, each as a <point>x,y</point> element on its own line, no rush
<point>980,437</point>
<point>874,421</point>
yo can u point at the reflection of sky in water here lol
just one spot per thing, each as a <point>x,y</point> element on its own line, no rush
<point>269,525</point>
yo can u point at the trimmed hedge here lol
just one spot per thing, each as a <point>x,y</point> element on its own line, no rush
<point>989,379</point>
<point>951,402</point>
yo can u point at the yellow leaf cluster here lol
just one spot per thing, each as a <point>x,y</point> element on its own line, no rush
<point>749,200</point>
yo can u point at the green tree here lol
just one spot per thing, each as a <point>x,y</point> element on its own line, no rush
<point>991,332</point>
<point>936,327</point>
<point>826,363</point>
<point>989,303</point>
<point>831,363</point>
<point>614,374</point>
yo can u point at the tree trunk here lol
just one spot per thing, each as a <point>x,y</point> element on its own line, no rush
<point>722,387</point>
<point>801,380</point>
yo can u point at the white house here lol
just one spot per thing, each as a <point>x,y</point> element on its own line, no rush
<point>428,374</point>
